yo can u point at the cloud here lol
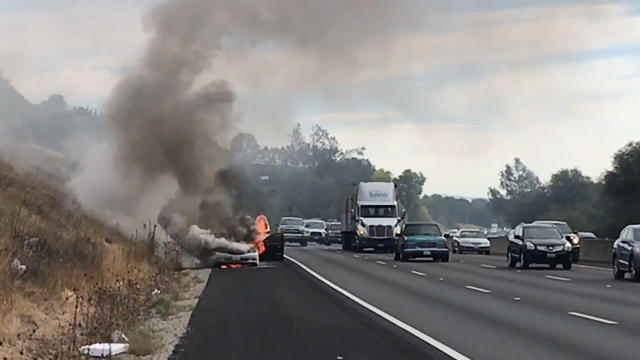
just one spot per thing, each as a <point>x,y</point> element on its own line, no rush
<point>75,48</point>
<point>356,116</point>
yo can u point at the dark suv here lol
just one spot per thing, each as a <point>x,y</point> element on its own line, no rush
<point>539,244</point>
<point>626,253</point>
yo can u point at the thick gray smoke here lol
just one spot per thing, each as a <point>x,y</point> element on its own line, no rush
<point>170,125</point>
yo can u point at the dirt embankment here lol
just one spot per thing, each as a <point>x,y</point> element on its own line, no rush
<point>67,279</point>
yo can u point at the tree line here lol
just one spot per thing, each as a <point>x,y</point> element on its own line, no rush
<point>604,205</point>
<point>311,176</point>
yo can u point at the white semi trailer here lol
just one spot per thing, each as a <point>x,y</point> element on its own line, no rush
<point>371,217</point>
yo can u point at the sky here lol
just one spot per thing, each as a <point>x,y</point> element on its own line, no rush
<point>456,95</point>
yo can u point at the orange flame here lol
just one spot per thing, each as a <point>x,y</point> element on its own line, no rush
<point>262,231</point>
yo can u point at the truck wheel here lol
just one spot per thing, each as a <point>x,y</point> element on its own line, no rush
<point>346,242</point>
<point>404,257</point>
<point>303,243</point>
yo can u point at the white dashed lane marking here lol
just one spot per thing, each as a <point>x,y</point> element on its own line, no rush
<point>381,262</point>
<point>489,266</point>
<point>418,273</point>
<point>593,318</point>
<point>557,278</point>
<point>484,291</point>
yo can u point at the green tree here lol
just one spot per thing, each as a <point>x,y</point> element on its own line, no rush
<point>382,175</point>
<point>521,197</point>
<point>621,190</point>
<point>409,187</point>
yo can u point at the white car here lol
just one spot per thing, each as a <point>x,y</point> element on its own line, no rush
<point>249,258</point>
<point>471,240</point>
<point>315,230</point>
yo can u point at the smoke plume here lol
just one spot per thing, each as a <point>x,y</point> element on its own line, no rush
<point>169,124</point>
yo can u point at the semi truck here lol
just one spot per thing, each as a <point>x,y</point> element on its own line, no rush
<point>372,217</point>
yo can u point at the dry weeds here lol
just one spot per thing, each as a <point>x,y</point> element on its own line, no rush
<point>84,279</point>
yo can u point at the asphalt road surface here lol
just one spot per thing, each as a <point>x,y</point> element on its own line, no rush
<point>281,312</point>
<point>368,306</point>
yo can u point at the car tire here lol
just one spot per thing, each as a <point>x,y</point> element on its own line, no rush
<point>512,261</point>
<point>617,273</point>
<point>635,272</point>
<point>488,252</point>
<point>567,265</point>
<point>524,263</point>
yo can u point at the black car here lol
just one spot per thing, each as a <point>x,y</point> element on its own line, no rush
<point>626,253</point>
<point>539,244</point>
<point>274,248</point>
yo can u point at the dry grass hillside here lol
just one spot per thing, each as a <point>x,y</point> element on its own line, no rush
<point>77,279</point>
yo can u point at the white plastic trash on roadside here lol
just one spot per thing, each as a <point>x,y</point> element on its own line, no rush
<point>118,337</point>
<point>104,350</point>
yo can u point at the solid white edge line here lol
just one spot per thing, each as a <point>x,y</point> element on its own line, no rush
<point>489,266</point>
<point>594,318</point>
<point>486,291</point>
<point>557,278</point>
<point>381,262</point>
<point>397,322</point>
<point>418,273</point>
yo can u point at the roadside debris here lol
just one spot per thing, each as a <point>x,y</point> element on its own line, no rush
<point>17,267</point>
<point>118,337</point>
<point>104,350</point>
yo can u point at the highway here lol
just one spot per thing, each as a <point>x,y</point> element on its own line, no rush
<point>473,307</point>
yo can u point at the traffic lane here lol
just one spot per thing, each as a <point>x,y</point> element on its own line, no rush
<point>283,313</point>
<point>584,277</point>
<point>471,322</point>
<point>542,287</point>
<point>536,288</point>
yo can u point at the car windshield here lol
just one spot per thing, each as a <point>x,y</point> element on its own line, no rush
<point>315,225</point>
<point>472,234</point>
<point>292,222</point>
<point>541,232</point>
<point>380,211</point>
<point>422,229</point>
<point>334,227</point>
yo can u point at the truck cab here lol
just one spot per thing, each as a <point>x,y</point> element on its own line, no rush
<point>372,217</point>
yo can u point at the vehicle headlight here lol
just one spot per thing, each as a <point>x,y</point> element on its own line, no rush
<point>361,231</point>
<point>567,246</point>
<point>306,232</point>
<point>396,230</point>
<point>575,239</point>
<point>530,246</point>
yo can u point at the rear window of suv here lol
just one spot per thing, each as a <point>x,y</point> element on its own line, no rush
<point>541,232</point>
